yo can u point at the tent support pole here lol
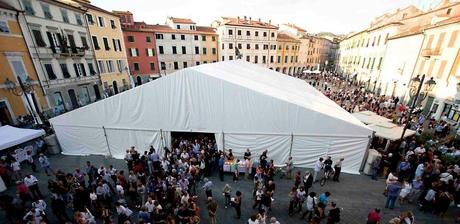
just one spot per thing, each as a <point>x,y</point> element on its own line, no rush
<point>223,142</point>
<point>107,141</point>
<point>161,141</point>
<point>387,145</point>
<point>292,141</point>
<point>366,153</point>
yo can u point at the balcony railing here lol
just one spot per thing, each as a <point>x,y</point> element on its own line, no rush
<point>428,52</point>
<point>69,51</point>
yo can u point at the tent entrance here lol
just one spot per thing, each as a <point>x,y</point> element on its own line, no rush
<point>204,137</point>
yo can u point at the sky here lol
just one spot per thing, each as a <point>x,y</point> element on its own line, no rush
<point>336,16</point>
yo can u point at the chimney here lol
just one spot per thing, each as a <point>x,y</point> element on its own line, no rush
<point>244,18</point>
<point>259,20</point>
<point>250,19</point>
<point>270,21</point>
<point>238,19</point>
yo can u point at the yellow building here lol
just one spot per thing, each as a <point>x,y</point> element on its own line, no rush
<point>287,54</point>
<point>109,47</point>
<point>16,65</point>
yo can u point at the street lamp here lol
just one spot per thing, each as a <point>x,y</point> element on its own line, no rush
<point>25,87</point>
<point>416,92</point>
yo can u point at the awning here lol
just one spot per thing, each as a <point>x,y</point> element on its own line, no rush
<point>11,136</point>
<point>369,117</point>
<point>390,131</point>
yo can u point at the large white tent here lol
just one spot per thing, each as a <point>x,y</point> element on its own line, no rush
<point>244,105</point>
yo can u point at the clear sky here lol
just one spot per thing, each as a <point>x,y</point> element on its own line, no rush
<point>337,16</point>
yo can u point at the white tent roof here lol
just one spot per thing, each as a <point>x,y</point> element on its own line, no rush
<point>11,136</point>
<point>369,117</point>
<point>390,131</point>
<point>246,102</point>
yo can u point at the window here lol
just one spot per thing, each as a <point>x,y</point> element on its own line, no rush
<point>292,59</point>
<point>65,71</point>
<point>248,58</point>
<point>120,65</point>
<point>273,34</point>
<point>256,59</point>
<point>79,69</point>
<point>257,47</point>
<point>223,58</point>
<point>449,11</point>
<point>50,72</point>
<point>279,59</point>
<point>46,11</point>
<point>256,33</point>
<point>248,46</point>
<point>174,50</point>
<point>184,50</point>
<point>380,63</point>
<point>271,59</point>
<point>38,38</point>
<point>134,52</point>
<point>95,43</point>
<point>239,32</point>
<point>101,21</point>
<point>65,17</point>
<point>160,49</point>
<point>159,36</point>
<point>203,38</point>
<point>285,59</point>
<point>178,27</point>
<point>196,37</point>
<point>205,62</point>
<point>28,7</point>
<point>264,59</point>
<point>90,19</point>
<point>150,52</point>
<point>115,47</point>
<point>230,46</point>
<point>248,33</point>
<point>152,66</point>
<point>213,38</point>
<point>163,66</point>
<point>91,69</point>
<point>78,19</point>
<point>265,34</point>
<point>184,64</point>
<point>197,50</point>
<point>230,32</point>
<point>112,24</point>
<point>182,37</point>
<point>176,65</point>
<point>110,66</point>
<point>173,36</point>
<point>101,65</point>
<point>214,51</point>
<point>197,63</point>
<point>136,66</point>
<point>130,39</point>
<point>106,43</point>
<point>230,57</point>
<point>239,46</point>
<point>84,42</point>
<point>204,50</point>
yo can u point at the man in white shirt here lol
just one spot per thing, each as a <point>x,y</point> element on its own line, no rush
<point>420,150</point>
<point>150,205</point>
<point>319,165</point>
<point>16,167</point>
<point>32,183</point>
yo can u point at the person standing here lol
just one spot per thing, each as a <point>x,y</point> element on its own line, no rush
<point>32,184</point>
<point>334,214</point>
<point>212,210</point>
<point>237,204</point>
<point>208,187</point>
<point>307,181</point>
<point>311,206</point>
<point>16,168</point>
<point>337,169</point>
<point>375,167</point>
<point>221,167</point>
<point>227,191</point>
<point>31,162</point>
<point>292,200</point>
<point>374,217</point>
<point>393,192</point>
<point>45,164</point>
<point>319,165</point>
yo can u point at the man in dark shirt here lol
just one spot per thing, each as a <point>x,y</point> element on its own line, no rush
<point>334,214</point>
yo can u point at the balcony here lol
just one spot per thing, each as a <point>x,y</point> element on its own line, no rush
<point>428,52</point>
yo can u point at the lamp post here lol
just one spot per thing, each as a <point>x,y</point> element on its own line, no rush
<point>25,87</point>
<point>416,92</point>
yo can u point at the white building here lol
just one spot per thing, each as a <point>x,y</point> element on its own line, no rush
<point>255,40</point>
<point>58,39</point>
<point>181,44</point>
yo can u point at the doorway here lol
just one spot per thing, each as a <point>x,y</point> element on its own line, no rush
<point>115,87</point>
<point>5,115</point>
<point>73,98</point>
<point>138,81</point>
<point>177,137</point>
<point>96,92</point>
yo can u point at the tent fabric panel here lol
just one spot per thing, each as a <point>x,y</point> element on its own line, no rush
<point>12,136</point>
<point>351,149</point>
<point>306,150</point>
<point>277,146</point>
<point>81,140</point>
<point>121,140</point>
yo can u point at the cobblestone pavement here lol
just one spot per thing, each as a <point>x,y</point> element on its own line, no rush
<point>356,194</point>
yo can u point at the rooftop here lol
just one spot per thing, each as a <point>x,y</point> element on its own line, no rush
<point>285,37</point>
<point>247,22</point>
<point>181,20</point>
<point>296,27</point>
<point>5,5</point>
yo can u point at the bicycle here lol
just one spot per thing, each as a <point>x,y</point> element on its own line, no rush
<point>326,176</point>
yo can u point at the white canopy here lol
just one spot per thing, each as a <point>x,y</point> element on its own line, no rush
<point>244,105</point>
<point>390,131</point>
<point>369,117</point>
<point>11,136</point>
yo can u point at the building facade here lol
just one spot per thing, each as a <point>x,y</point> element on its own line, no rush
<point>139,39</point>
<point>287,54</point>
<point>57,36</point>
<point>109,47</point>
<point>15,65</point>
<point>253,40</point>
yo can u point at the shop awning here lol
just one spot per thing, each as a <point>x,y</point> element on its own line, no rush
<point>11,136</point>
